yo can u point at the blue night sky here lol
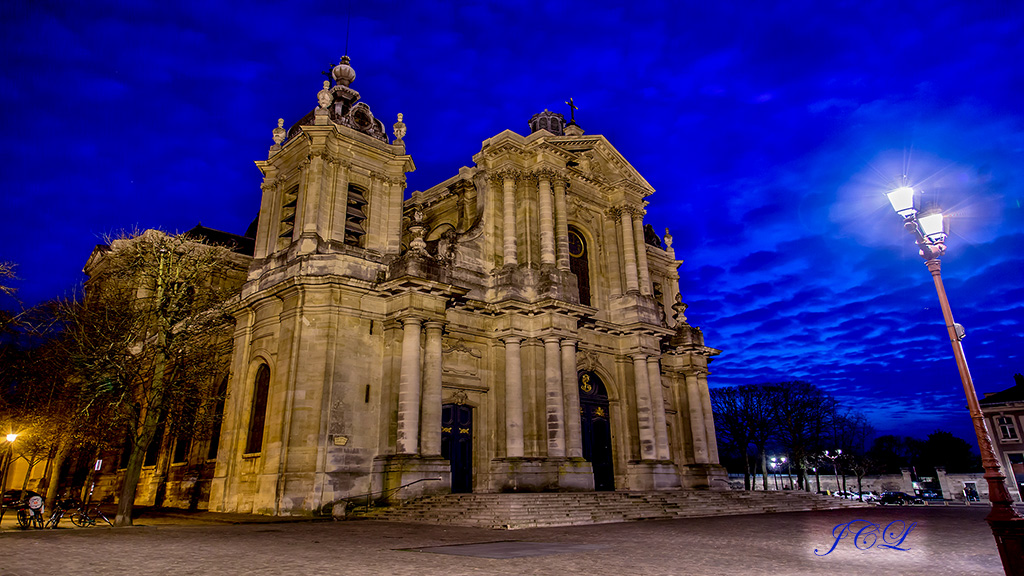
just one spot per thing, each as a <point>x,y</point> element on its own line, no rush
<point>770,131</point>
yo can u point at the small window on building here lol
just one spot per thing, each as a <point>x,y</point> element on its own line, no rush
<point>153,452</point>
<point>181,446</point>
<point>1007,429</point>
<point>258,415</point>
<point>289,204</point>
<point>355,216</point>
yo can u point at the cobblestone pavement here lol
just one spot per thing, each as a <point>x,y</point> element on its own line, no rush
<point>946,540</point>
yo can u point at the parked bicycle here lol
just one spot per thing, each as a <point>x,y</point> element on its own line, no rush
<point>85,517</point>
<point>30,512</point>
<point>60,509</point>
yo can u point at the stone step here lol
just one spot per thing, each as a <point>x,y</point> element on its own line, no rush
<point>569,509</point>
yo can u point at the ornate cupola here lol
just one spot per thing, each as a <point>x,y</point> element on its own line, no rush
<point>551,121</point>
<point>333,183</point>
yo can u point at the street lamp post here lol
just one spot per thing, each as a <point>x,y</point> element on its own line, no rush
<point>833,458</point>
<point>775,475</point>
<point>1007,526</point>
<point>10,459</point>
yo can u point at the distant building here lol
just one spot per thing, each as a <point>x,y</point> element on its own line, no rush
<point>1004,414</point>
<point>513,328</point>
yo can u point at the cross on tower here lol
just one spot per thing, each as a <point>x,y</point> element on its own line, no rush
<point>572,111</point>
<point>327,73</point>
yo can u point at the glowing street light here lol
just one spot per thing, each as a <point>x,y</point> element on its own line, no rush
<point>10,459</point>
<point>929,233</point>
<point>833,458</point>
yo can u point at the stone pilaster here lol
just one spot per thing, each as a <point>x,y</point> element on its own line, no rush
<point>574,438</point>
<point>561,227</point>
<point>409,389</point>
<point>430,428</point>
<point>645,423</point>
<point>629,250</point>
<point>658,407</point>
<point>547,221</point>
<point>513,398</point>
<point>509,219</point>
<point>709,420</point>
<point>641,253</point>
<point>697,426</point>
<point>553,395</point>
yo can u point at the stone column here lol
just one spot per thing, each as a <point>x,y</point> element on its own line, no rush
<point>658,406</point>
<point>641,253</point>
<point>571,393</point>
<point>547,220</point>
<point>513,398</point>
<point>509,219</point>
<point>709,419</point>
<point>553,393</point>
<point>628,250</point>
<point>409,388</point>
<point>697,427</point>
<point>645,423</point>
<point>430,426</point>
<point>561,227</point>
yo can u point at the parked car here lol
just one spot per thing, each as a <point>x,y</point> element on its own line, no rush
<point>868,497</point>
<point>898,499</point>
<point>13,495</point>
<point>929,495</point>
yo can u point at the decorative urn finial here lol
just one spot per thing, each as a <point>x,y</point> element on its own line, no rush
<point>399,128</point>
<point>343,73</point>
<point>324,96</point>
<point>279,132</point>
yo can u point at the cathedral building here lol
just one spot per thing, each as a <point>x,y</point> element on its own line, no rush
<point>513,328</point>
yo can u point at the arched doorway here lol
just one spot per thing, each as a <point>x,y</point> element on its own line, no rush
<point>596,429</point>
<point>457,444</point>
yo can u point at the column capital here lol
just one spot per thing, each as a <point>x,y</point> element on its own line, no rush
<point>550,338</point>
<point>511,339</point>
<point>410,320</point>
<point>544,174</point>
<point>433,324</point>
<point>507,173</point>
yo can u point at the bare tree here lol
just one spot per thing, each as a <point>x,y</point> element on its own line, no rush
<point>144,341</point>
<point>747,416</point>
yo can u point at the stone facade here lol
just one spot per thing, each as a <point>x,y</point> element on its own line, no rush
<point>1004,416</point>
<point>513,328</point>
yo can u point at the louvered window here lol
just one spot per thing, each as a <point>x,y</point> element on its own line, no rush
<point>289,203</point>
<point>355,216</point>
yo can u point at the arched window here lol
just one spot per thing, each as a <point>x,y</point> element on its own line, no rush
<point>579,264</point>
<point>259,410</point>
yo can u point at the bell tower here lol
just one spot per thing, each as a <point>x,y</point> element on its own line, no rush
<point>333,183</point>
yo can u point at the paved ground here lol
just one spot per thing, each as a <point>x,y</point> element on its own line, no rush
<point>945,540</point>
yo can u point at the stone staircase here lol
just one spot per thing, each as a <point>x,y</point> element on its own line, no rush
<point>534,510</point>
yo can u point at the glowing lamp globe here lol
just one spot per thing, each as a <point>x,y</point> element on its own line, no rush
<point>902,200</point>
<point>931,227</point>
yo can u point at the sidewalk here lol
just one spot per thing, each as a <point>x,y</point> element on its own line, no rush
<point>952,541</point>
<point>153,516</point>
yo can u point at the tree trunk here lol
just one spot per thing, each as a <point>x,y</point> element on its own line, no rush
<point>56,463</point>
<point>746,471</point>
<point>764,470</point>
<point>126,501</point>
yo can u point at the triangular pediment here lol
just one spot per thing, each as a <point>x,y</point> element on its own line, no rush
<point>597,160</point>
